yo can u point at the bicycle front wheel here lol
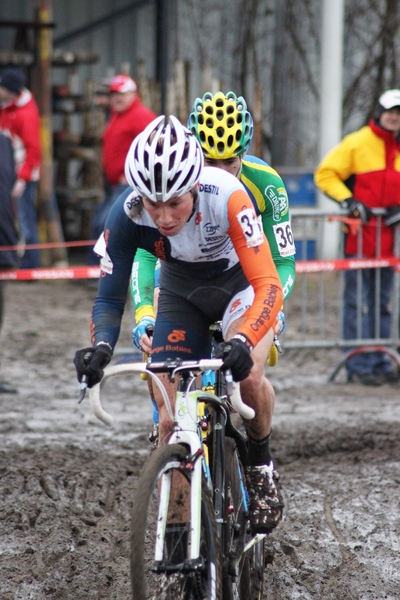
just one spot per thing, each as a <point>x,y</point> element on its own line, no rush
<point>174,577</point>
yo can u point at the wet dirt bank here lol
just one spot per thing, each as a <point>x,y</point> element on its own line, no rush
<point>67,481</point>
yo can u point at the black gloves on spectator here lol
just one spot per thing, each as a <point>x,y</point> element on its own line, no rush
<point>357,209</point>
<point>392,215</point>
<point>92,362</point>
<point>236,357</point>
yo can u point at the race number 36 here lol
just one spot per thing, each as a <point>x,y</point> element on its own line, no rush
<point>251,227</point>
<point>284,239</point>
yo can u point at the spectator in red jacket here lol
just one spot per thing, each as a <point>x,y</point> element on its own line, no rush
<point>129,117</point>
<point>20,121</point>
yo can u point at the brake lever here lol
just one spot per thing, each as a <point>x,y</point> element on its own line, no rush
<point>278,344</point>
<point>83,388</point>
<point>147,357</point>
<point>228,381</point>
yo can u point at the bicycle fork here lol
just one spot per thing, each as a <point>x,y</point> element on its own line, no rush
<point>185,434</point>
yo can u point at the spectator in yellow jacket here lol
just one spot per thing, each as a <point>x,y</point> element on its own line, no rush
<point>362,173</point>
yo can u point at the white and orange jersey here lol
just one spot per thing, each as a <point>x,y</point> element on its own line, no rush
<point>222,231</point>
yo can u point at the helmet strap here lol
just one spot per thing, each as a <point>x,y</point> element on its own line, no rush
<point>195,194</point>
<point>241,164</point>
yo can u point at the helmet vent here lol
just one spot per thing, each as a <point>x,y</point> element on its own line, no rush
<point>146,160</point>
<point>172,180</point>
<point>219,102</point>
<point>210,123</point>
<point>220,115</point>
<point>230,109</point>
<point>158,177</point>
<point>185,152</point>
<point>211,141</point>
<point>230,141</point>
<point>221,147</point>
<point>189,175</point>
<point>230,122</point>
<point>239,118</point>
<point>200,119</point>
<point>209,110</point>
<point>160,147</point>
<point>172,157</point>
<point>220,132</point>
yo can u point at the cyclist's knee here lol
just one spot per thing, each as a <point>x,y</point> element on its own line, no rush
<point>253,384</point>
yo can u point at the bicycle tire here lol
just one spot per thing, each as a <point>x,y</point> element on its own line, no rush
<point>248,582</point>
<point>145,583</point>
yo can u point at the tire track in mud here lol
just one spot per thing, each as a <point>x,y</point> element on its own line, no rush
<point>347,556</point>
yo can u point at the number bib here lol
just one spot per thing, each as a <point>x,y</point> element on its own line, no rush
<point>284,239</point>
<point>251,227</point>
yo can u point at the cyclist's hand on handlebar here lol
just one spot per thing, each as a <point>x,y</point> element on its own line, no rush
<point>92,362</point>
<point>142,332</point>
<point>236,357</point>
<point>392,215</point>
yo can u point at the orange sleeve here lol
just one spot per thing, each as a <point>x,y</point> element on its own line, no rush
<point>255,257</point>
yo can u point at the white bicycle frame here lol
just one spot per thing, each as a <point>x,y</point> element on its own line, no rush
<point>185,432</point>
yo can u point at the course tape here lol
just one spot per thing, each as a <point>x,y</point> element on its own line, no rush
<point>45,245</point>
<point>346,264</point>
<point>51,273</point>
<point>302,266</point>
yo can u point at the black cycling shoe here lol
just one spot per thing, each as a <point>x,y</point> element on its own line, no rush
<point>266,501</point>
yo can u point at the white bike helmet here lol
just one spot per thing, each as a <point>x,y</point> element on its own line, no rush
<point>164,161</point>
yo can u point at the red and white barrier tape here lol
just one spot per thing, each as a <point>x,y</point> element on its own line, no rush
<point>51,273</point>
<point>45,245</point>
<point>302,266</point>
<point>346,264</point>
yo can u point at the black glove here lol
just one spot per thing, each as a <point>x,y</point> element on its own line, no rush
<point>92,362</point>
<point>236,357</point>
<point>357,209</point>
<point>392,215</point>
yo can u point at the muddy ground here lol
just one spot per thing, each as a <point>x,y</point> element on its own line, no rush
<point>67,480</point>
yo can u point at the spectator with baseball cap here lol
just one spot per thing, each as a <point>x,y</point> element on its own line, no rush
<point>129,117</point>
<point>20,121</point>
<point>362,173</point>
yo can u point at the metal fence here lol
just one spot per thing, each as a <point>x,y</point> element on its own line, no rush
<point>315,310</point>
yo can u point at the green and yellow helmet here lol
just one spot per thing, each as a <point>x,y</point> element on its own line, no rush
<point>222,124</point>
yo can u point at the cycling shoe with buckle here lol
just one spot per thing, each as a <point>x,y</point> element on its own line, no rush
<point>266,501</point>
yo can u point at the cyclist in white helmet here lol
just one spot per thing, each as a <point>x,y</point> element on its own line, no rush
<point>224,128</point>
<point>217,265</point>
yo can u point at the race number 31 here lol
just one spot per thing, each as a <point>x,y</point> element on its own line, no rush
<point>251,227</point>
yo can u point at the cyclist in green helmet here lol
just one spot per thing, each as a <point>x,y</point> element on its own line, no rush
<point>224,127</point>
